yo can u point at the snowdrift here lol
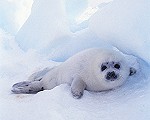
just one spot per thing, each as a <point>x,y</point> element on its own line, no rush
<point>120,24</point>
<point>46,23</point>
<point>126,25</point>
<point>123,24</point>
<point>13,13</point>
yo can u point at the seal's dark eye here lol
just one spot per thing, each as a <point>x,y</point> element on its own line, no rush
<point>103,67</point>
<point>117,66</point>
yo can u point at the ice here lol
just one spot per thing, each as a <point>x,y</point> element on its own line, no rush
<point>46,23</point>
<point>128,102</point>
<point>92,7</point>
<point>121,24</point>
<point>77,42</point>
<point>13,13</point>
<point>73,9</point>
<point>126,25</point>
<point>53,32</point>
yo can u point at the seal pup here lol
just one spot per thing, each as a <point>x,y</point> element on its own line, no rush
<point>93,69</point>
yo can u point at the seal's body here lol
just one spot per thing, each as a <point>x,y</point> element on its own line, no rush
<point>92,69</point>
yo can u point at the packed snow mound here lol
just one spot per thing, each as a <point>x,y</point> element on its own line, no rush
<point>46,23</point>
<point>58,103</point>
<point>48,32</point>
<point>79,41</point>
<point>13,14</point>
<point>73,9</point>
<point>126,25</point>
<point>123,24</point>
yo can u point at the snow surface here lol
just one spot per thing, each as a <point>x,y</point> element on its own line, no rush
<point>50,31</point>
<point>128,102</point>
<point>36,28</point>
<point>126,25</point>
<point>13,13</point>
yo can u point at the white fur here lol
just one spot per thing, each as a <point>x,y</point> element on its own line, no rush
<point>82,71</point>
<point>87,66</point>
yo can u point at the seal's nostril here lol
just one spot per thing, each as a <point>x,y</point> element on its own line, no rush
<point>115,76</point>
<point>111,75</point>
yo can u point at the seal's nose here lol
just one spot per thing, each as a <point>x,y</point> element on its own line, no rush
<point>111,75</point>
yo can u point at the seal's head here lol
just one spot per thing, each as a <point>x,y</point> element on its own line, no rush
<point>113,70</point>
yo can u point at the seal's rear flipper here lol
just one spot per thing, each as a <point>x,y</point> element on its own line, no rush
<point>37,76</point>
<point>27,87</point>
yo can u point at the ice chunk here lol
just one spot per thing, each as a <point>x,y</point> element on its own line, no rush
<point>46,23</point>
<point>126,25</point>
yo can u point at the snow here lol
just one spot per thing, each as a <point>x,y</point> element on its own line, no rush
<point>77,42</point>
<point>93,6</point>
<point>13,13</point>
<point>36,27</point>
<point>123,24</point>
<point>58,103</point>
<point>73,9</point>
<point>46,38</point>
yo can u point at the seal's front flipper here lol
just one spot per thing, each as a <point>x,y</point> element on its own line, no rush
<point>27,87</point>
<point>77,88</point>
